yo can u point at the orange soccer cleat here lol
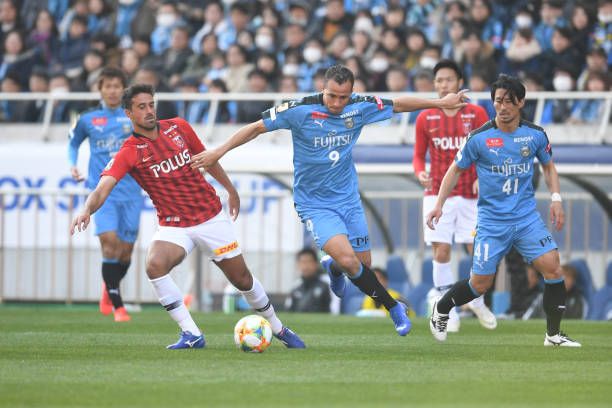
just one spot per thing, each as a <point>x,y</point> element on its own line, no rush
<point>121,315</point>
<point>106,306</point>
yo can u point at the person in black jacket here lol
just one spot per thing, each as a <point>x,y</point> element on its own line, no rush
<point>311,293</point>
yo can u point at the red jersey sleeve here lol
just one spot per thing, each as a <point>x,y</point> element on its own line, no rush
<point>121,164</point>
<point>193,141</point>
<point>420,144</point>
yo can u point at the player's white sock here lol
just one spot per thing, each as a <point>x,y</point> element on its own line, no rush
<point>258,299</point>
<point>442,276</point>
<point>478,302</point>
<point>171,299</point>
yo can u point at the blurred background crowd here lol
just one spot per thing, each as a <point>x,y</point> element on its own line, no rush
<point>193,46</point>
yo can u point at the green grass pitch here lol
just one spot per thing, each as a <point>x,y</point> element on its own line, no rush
<point>55,356</point>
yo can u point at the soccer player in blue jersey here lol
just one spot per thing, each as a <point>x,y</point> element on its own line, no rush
<point>324,128</point>
<point>503,151</point>
<point>117,221</point>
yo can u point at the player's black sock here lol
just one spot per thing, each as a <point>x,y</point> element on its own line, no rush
<point>111,273</point>
<point>366,282</point>
<point>124,269</point>
<point>554,305</point>
<point>460,294</point>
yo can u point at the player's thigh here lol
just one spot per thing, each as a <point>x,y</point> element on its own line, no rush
<point>445,226</point>
<point>129,220</point>
<point>323,224</point>
<point>162,257</point>
<point>465,220</point>
<point>491,243</point>
<point>339,248</point>
<point>533,239</point>
<point>549,265</point>
<point>216,237</point>
<point>107,218</point>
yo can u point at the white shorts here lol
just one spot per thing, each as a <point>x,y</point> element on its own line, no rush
<point>458,219</point>
<point>215,236</point>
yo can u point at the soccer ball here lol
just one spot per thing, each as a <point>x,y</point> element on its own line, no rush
<point>253,334</point>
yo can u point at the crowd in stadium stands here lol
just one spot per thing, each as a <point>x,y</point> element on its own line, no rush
<point>284,46</point>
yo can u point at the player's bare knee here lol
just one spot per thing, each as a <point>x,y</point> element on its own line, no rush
<point>481,285</point>
<point>156,267</point>
<point>349,262</point>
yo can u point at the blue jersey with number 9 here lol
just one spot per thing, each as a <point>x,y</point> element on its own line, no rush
<point>324,172</point>
<point>504,164</point>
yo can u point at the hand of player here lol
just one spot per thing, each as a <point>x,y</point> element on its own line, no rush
<point>454,100</point>
<point>475,187</point>
<point>433,217</point>
<point>76,175</point>
<point>557,215</point>
<point>233,203</point>
<point>80,223</point>
<point>205,159</point>
<point>424,179</point>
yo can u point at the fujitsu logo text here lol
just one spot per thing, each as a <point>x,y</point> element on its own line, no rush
<point>448,142</point>
<point>511,169</point>
<point>173,163</point>
<point>332,141</point>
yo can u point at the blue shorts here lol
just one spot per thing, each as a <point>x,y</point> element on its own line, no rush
<point>531,239</point>
<point>122,217</point>
<point>324,223</point>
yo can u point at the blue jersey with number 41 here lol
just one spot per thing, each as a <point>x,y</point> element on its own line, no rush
<point>504,163</point>
<point>324,172</point>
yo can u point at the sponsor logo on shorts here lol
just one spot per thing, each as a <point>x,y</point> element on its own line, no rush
<point>225,249</point>
<point>546,240</point>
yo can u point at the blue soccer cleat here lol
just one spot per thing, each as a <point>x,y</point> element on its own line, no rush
<point>187,341</point>
<point>400,319</point>
<point>336,283</point>
<point>290,339</point>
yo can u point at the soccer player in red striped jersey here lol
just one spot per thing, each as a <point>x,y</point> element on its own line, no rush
<point>157,156</point>
<point>442,132</point>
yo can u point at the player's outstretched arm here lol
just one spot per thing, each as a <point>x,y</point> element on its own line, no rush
<point>448,183</point>
<point>233,200</point>
<point>94,201</point>
<point>245,134</point>
<point>557,215</point>
<point>410,103</point>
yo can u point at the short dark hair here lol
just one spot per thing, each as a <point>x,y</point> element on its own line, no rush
<point>340,74</point>
<point>132,91</point>
<point>307,251</point>
<point>446,63</point>
<point>109,73</point>
<point>513,86</point>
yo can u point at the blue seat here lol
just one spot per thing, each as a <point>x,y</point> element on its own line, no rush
<point>418,295</point>
<point>602,299</point>
<point>352,300</point>
<point>584,282</point>
<point>399,279</point>
<point>465,267</point>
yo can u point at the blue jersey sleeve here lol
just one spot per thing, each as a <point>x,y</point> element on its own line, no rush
<point>376,109</point>
<point>282,116</point>
<point>544,152</point>
<point>77,135</point>
<point>468,153</point>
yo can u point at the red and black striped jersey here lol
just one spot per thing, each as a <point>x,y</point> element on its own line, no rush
<point>181,195</point>
<point>443,136</point>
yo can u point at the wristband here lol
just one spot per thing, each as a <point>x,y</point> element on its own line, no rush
<point>555,197</point>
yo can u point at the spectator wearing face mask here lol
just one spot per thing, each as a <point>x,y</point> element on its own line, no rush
<point>314,59</point>
<point>168,18</point>
<point>602,36</point>
<point>522,54</point>
<point>558,110</point>
<point>377,69</point>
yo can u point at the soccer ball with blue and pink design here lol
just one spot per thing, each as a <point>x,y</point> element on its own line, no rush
<point>253,334</point>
